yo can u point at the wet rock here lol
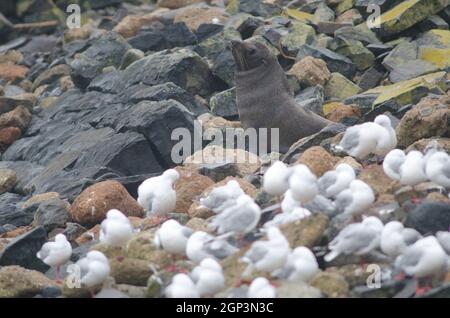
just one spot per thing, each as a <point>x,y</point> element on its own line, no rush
<point>429,118</point>
<point>91,206</point>
<point>174,35</point>
<point>306,232</point>
<point>311,71</point>
<point>223,104</point>
<point>335,62</point>
<point>8,179</point>
<point>318,160</point>
<point>16,281</point>
<point>106,50</point>
<point>22,250</point>
<point>332,285</point>
<point>340,87</point>
<point>429,217</point>
<point>52,214</point>
<point>190,185</point>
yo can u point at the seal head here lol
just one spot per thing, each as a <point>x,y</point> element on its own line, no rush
<point>264,98</point>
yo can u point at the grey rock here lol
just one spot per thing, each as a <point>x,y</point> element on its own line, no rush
<point>411,69</point>
<point>224,67</point>
<point>52,214</point>
<point>224,104</point>
<point>22,250</point>
<point>259,8</point>
<point>219,171</point>
<point>370,78</point>
<point>429,217</point>
<point>10,211</point>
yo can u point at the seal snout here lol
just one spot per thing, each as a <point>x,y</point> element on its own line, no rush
<point>234,44</point>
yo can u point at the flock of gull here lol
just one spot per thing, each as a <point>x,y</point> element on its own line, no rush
<point>299,192</point>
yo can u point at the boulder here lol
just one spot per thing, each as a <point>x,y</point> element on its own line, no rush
<point>16,281</point>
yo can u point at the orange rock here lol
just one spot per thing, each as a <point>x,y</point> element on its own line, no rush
<point>190,185</point>
<point>195,16</point>
<point>19,117</point>
<point>375,177</point>
<point>338,113</point>
<point>318,160</point>
<point>8,135</point>
<point>311,71</point>
<point>88,236</point>
<point>91,206</point>
<point>10,71</point>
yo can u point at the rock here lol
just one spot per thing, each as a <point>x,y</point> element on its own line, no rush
<point>318,160</point>
<point>355,51</point>
<point>223,104</point>
<point>8,179</point>
<point>213,46</point>
<point>311,98</point>
<point>25,171</point>
<point>387,290</point>
<point>410,91</point>
<point>420,145</point>
<point>51,75</point>
<point>338,112</point>
<point>141,247</point>
<point>190,185</point>
<point>196,16</point>
<point>131,24</point>
<point>183,67</point>
<point>370,78</point>
<point>411,69</point>
<point>314,140</point>
<point>433,48</point>
<point>91,206</point>
<point>311,71</point>
<point>375,177</point>
<point>22,250</point>
<point>332,285</point>
<point>429,118</point>
<point>73,231</point>
<point>107,50</point>
<point>130,271</point>
<point>359,32</point>
<point>175,4</point>
<point>8,135</point>
<point>323,13</point>
<point>306,232</point>
<point>224,67</point>
<point>174,35</point>
<point>300,34</point>
<point>407,14</point>
<point>52,214</point>
<point>289,289</point>
<point>330,28</point>
<point>354,274</point>
<point>335,62</point>
<point>245,162</point>
<point>254,7</point>
<point>12,72</point>
<point>10,211</point>
<point>200,212</point>
<point>164,92</point>
<point>16,281</point>
<point>19,117</point>
<point>74,34</point>
<point>131,56</point>
<point>340,87</point>
<point>350,16</point>
<point>198,224</point>
<point>433,22</point>
<point>429,217</point>
<point>219,171</point>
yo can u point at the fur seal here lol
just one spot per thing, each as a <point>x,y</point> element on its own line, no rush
<point>263,96</point>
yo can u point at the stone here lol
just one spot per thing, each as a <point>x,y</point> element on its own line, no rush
<point>130,271</point>
<point>51,75</point>
<point>407,14</point>
<point>16,281</point>
<point>131,56</point>
<point>22,250</point>
<point>411,69</point>
<point>340,87</point>
<point>429,217</point>
<point>224,67</point>
<point>306,232</point>
<point>323,13</point>
<point>198,224</point>
<point>10,211</point>
<point>246,162</point>
<point>375,177</point>
<point>300,34</point>
<point>131,24</point>
<point>52,214</point>
<point>311,71</point>
<point>311,98</point>
<point>332,285</point>
<point>422,144</point>
<point>11,72</point>
<point>19,117</point>
<point>91,206</point>
<point>335,62</point>
<point>219,171</point>
<point>173,35</point>
<point>338,112</point>
<point>213,46</point>
<point>318,160</point>
<point>195,211</point>
<point>370,79</point>
<point>298,15</point>
<point>433,48</point>
<point>196,16</point>
<point>360,32</point>
<point>74,34</point>
<point>188,187</point>
<point>429,118</point>
<point>176,4</point>
<point>288,289</point>
<point>107,50</point>
<point>330,28</point>
<point>350,16</point>
<point>255,7</point>
<point>141,247</point>
<point>8,179</point>
<point>410,91</point>
<point>355,51</point>
<point>223,104</point>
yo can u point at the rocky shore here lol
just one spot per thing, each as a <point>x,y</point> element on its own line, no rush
<point>86,115</point>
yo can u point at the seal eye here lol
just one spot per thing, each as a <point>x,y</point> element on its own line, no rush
<point>252,51</point>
